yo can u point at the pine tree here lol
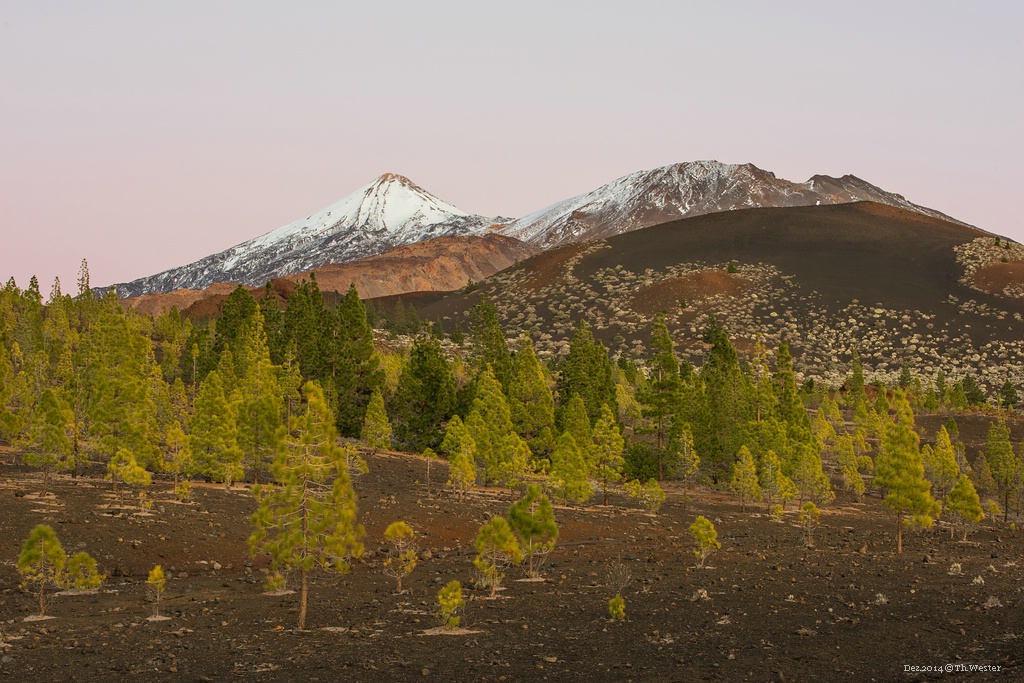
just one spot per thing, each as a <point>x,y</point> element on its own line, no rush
<point>304,323</point>
<point>156,582</point>
<point>235,315</point>
<point>273,325</point>
<point>125,473</point>
<point>790,408</point>
<point>810,517</point>
<point>660,401</point>
<point>425,397</point>
<point>972,391</point>
<point>982,475</point>
<point>460,449</point>
<point>608,447</point>
<point>496,547</point>
<point>586,371</point>
<point>178,460</point>
<point>1007,469</point>
<point>489,347</point>
<point>963,501</point>
<point>569,471</point>
<point>213,434</point>
<point>683,452</point>
<point>430,456</point>
<point>402,558</point>
<point>719,423</point>
<point>376,431</point>
<point>503,455</point>
<point>260,399</point>
<point>533,519</point>
<point>121,409</point>
<point>744,478</point>
<point>41,562</point>
<point>807,473</point>
<point>8,419</point>
<point>899,472</point>
<point>48,436</point>
<point>576,421</point>
<point>354,365</point>
<point>531,402</point>
<point>882,405</point>
<point>1008,397</point>
<point>309,519</point>
<point>846,458</point>
<point>856,393</point>
<point>940,464</point>
<point>775,485</point>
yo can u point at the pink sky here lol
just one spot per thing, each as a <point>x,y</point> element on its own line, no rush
<point>143,136</point>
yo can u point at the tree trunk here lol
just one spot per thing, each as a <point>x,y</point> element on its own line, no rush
<point>74,461</point>
<point>899,534</point>
<point>46,480</point>
<point>42,582</point>
<point>303,596</point>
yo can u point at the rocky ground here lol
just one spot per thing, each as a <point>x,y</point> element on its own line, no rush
<point>767,608</point>
<point>896,286</point>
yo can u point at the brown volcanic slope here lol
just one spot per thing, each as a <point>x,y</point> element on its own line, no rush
<point>827,278</point>
<point>441,264</point>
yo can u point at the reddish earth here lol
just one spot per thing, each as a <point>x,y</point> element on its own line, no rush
<point>701,284</point>
<point>441,264</point>
<point>848,609</point>
<point>996,277</point>
<point>548,268</point>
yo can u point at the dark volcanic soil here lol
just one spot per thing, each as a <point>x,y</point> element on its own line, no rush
<point>848,609</point>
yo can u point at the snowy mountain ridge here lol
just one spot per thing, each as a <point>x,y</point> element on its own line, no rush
<point>392,210</point>
<point>659,195</point>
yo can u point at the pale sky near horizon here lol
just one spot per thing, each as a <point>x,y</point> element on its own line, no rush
<point>143,136</point>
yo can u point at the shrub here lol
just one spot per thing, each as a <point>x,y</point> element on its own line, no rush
<point>81,574</point>
<point>450,601</point>
<point>705,537</point>
<point>617,608</point>
<point>809,520</point>
<point>650,495</point>
<point>496,547</point>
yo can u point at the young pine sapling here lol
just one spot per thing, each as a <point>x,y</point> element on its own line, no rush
<point>496,548</point>
<point>706,538</point>
<point>449,603</point>
<point>402,559</point>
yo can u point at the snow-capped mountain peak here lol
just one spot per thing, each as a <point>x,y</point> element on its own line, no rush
<point>387,212</point>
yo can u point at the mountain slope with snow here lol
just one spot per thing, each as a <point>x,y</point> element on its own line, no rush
<point>386,213</point>
<point>647,198</point>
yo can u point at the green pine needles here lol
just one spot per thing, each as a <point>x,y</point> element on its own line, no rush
<point>308,519</point>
